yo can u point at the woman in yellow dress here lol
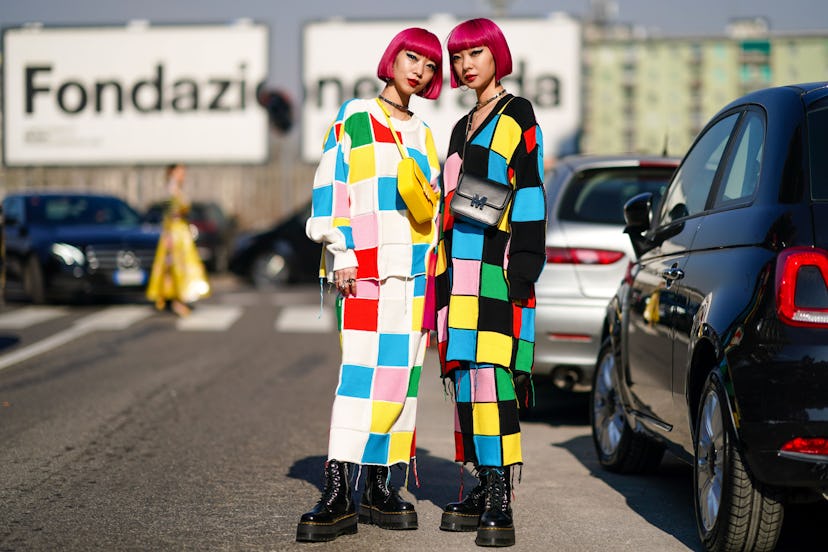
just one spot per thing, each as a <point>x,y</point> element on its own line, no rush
<point>178,275</point>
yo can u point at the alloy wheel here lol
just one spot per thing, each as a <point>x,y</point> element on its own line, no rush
<point>608,414</point>
<point>710,460</point>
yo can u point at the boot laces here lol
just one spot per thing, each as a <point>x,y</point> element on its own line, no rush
<point>333,483</point>
<point>497,497</point>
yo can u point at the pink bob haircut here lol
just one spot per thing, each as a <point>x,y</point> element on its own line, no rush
<point>422,42</point>
<point>480,32</point>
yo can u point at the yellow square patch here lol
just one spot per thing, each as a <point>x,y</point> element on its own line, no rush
<point>506,137</point>
<point>485,419</point>
<point>383,415</point>
<point>417,314</point>
<point>400,448</point>
<point>511,449</point>
<point>362,166</point>
<point>463,312</point>
<point>494,347</point>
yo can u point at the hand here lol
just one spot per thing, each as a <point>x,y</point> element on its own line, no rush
<point>345,281</point>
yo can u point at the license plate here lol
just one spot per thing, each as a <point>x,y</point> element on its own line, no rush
<point>129,277</point>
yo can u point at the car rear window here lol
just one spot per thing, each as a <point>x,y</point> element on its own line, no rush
<point>599,195</point>
<point>817,146</point>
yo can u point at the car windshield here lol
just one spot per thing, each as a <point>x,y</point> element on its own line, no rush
<point>599,195</point>
<point>818,144</point>
<point>80,210</point>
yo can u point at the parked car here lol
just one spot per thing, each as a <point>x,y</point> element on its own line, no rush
<point>280,255</point>
<point>61,245</point>
<point>717,339</point>
<point>213,231</point>
<point>587,254</point>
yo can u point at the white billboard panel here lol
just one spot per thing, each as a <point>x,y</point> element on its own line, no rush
<point>340,62</point>
<point>134,94</point>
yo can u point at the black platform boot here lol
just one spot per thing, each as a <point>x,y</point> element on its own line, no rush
<point>496,527</point>
<point>335,513</point>
<point>465,515</point>
<point>382,505</point>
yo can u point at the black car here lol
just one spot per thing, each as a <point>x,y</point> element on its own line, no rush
<point>716,343</point>
<point>213,231</point>
<point>62,245</point>
<point>283,254</point>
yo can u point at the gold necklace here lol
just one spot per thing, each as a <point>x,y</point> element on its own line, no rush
<point>490,100</point>
<point>395,104</point>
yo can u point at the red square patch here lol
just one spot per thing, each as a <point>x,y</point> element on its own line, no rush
<point>360,314</point>
<point>367,259</point>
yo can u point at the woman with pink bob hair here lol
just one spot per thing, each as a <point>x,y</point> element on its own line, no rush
<point>375,253</point>
<point>485,295</point>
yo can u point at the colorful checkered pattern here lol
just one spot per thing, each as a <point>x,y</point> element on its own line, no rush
<point>357,211</point>
<point>486,426</point>
<point>361,218</point>
<point>383,347</point>
<point>484,285</point>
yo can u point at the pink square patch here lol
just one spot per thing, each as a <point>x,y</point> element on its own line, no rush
<point>484,387</point>
<point>367,289</point>
<point>390,384</point>
<point>466,277</point>
<point>365,231</point>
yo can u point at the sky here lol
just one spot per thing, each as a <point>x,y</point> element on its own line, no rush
<point>286,17</point>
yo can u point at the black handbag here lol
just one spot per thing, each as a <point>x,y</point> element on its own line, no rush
<point>477,199</point>
<point>480,200</point>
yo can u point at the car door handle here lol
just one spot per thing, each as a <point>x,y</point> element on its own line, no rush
<point>673,273</point>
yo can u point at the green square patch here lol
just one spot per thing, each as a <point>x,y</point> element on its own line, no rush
<point>414,381</point>
<point>493,282</point>
<point>525,356</point>
<point>505,385</point>
<point>358,127</point>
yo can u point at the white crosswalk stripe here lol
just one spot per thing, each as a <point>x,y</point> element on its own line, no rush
<point>25,317</point>
<point>210,318</point>
<point>305,319</point>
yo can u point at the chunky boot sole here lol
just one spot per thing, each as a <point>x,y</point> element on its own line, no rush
<point>456,522</point>
<point>495,536</point>
<point>313,531</point>
<point>388,520</point>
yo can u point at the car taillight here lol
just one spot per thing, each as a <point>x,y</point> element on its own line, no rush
<point>801,292</point>
<point>578,255</point>
<point>809,445</point>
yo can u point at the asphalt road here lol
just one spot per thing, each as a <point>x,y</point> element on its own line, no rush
<point>123,428</point>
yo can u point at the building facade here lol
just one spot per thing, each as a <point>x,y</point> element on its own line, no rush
<point>651,94</point>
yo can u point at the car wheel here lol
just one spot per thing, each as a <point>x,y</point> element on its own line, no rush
<point>619,448</point>
<point>269,270</point>
<point>33,281</point>
<point>732,511</point>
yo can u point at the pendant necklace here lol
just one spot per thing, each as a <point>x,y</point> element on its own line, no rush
<point>477,108</point>
<point>395,104</point>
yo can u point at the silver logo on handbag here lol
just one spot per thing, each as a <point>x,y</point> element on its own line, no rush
<point>478,202</point>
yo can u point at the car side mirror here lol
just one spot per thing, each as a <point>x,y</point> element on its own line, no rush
<point>637,214</point>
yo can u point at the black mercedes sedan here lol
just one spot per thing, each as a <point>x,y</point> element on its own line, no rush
<point>279,255</point>
<point>716,343</point>
<point>67,245</point>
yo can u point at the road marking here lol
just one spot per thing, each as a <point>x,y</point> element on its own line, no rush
<point>19,319</point>
<point>305,319</point>
<point>209,318</point>
<point>112,318</point>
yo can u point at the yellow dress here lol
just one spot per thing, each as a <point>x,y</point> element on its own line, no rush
<point>177,271</point>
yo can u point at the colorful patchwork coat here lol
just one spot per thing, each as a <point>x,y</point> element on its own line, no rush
<point>363,222</point>
<point>485,294</point>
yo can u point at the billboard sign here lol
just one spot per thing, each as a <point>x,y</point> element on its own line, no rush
<point>340,62</point>
<point>136,94</point>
